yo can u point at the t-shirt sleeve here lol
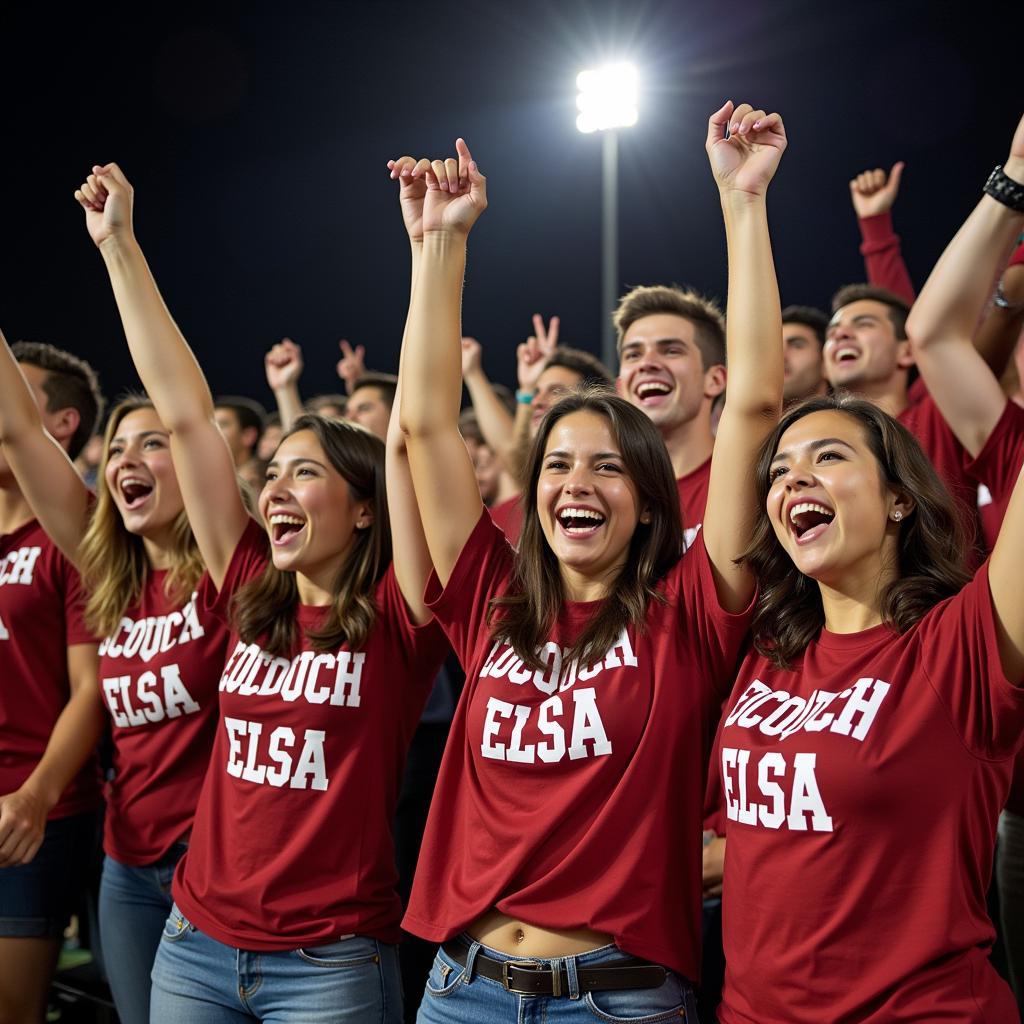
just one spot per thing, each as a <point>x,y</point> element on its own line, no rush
<point>883,256</point>
<point>482,568</point>
<point>999,462</point>
<point>75,629</point>
<point>421,648</point>
<point>959,654</point>
<point>715,635</point>
<point>250,557</point>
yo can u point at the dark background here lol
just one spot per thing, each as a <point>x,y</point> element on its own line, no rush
<point>256,137</point>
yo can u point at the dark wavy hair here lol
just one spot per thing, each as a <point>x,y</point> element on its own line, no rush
<point>933,540</point>
<point>525,614</point>
<point>263,610</point>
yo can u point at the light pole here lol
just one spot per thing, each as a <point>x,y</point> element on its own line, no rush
<point>606,102</point>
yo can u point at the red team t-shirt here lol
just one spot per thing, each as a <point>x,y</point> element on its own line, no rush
<point>573,797</point>
<point>862,790</point>
<point>40,617</point>
<point>159,672</point>
<point>292,842</point>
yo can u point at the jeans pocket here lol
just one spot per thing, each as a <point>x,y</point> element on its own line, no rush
<point>668,1002</point>
<point>177,926</point>
<point>354,951</point>
<point>445,975</point>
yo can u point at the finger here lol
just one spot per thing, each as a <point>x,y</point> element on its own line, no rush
<point>114,171</point>
<point>477,185</point>
<point>737,117</point>
<point>432,182</point>
<point>360,352</point>
<point>451,169</point>
<point>864,182</point>
<point>403,165</point>
<point>440,174</point>
<point>33,848</point>
<point>749,119</point>
<point>896,175</point>
<point>90,193</point>
<point>420,168</point>
<point>346,348</point>
<point>770,123</point>
<point>538,327</point>
<point>877,179</point>
<point>96,180</point>
<point>553,325</point>
<point>83,201</point>
<point>718,122</point>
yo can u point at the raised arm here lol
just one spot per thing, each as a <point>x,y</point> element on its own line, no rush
<point>283,367</point>
<point>873,194</point>
<point>442,471</point>
<point>45,474</point>
<point>495,420</point>
<point>169,373</point>
<point>410,556</point>
<point>942,322</point>
<point>743,165</point>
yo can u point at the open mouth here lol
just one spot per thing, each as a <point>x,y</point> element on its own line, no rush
<point>577,521</point>
<point>135,492</point>
<point>809,520</point>
<point>651,390</point>
<point>284,528</point>
<point>847,354</point>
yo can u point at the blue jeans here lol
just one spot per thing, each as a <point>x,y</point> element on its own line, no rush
<point>455,995</point>
<point>134,904</point>
<point>200,980</point>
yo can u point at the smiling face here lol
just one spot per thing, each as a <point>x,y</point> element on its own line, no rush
<point>662,372</point>
<point>587,503</point>
<point>828,504</point>
<point>862,348</point>
<point>308,509</point>
<point>140,475</point>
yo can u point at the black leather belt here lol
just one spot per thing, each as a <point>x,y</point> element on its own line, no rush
<point>536,978</point>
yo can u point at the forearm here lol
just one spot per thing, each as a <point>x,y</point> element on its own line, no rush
<point>753,317</point>
<point>496,424</point>
<point>883,256</point>
<point>432,355</point>
<point>75,736</point>
<point>289,405</point>
<point>165,363</point>
<point>19,414</point>
<point>517,454</point>
<point>954,296</point>
<point>997,335</point>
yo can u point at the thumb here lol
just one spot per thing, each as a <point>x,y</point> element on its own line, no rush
<point>718,121</point>
<point>895,175</point>
<point>112,174</point>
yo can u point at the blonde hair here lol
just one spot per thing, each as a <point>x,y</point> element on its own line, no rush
<point>113,561</point>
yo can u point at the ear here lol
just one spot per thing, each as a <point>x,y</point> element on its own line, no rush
<point>645,517</point>
<point>364,519</point>
<point>714,381</point>
<point>620,387</point>
<point>63,424</point>
<point>904,354</point>
<point>901,506</point>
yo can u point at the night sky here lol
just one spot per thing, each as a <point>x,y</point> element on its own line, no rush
<point>256,137</point>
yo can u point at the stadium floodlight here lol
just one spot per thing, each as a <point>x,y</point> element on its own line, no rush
<point>607,98</point>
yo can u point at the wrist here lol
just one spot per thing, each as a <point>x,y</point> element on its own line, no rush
<point>737,199</point>
<point>524,396</point>
<point>1014,168</point>
<point>444,242</point>
<point>41,791</point>
<point>118,246</point>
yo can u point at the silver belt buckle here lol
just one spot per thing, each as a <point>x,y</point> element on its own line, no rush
<point>529,965</point>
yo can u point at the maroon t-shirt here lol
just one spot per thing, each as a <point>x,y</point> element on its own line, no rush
<point>508,515</point>
<point>40,617</point>
<point>862,789</point>
<point>573,797</point>
<point>923,419</point>
<point>292,840</point>
<point>159,672</point>
<point>693,499</point>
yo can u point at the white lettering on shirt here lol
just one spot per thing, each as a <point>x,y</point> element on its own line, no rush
<point>763,799</point>
<point>150,700</point>
<point>4,635</point>
<point>273,762</point>
<point>155,634</point>
<point>16,566</point>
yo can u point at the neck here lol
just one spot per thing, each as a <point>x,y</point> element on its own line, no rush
<point>158,551</point>
<point>889,395</point>
<point>14,508</point>
<point>316,589</point>
<point>577,587</point>
<point>689,444</point>
<point>854,603</point>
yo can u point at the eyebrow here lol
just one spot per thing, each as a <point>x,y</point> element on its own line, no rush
<point>659,342</point>
<point>859,318</point>
<point>816,445</point>
<point>143,435</point>
<point>597,455</point>
<point>297,462</point>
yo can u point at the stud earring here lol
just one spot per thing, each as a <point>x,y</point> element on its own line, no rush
<point>897,515</point>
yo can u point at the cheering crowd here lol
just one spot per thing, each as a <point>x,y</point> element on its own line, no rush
<point>691,686</point>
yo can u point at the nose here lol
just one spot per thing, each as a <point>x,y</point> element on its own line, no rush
<point>578,482</point>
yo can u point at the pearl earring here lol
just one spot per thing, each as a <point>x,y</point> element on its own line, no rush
<point>897,515</point>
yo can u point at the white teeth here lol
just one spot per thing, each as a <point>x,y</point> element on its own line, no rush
<point>280,517</point>
<point>580,513</point>
<point>808,506</point>
<point>652,387</point>
<point>846,353</point>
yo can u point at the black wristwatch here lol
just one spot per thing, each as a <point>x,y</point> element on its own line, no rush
<point>1005,190</point>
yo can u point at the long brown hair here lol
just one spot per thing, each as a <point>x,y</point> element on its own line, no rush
<point>263,610</point>
<point>113,561</point>
<point>524,615</point>
<point>932,540</point>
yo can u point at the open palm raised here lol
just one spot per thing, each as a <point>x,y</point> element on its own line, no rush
<point>746,160</point>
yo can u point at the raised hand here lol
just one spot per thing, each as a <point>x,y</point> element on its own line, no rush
<point>532,355</point>
<point>874,192</point>
<point>745,160</point>
<point>351,366</point>
<point>472,352</point>
<point>283,364</point>
<point>456,193</point>
<point>412,188</point>
<point>106,196</point>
